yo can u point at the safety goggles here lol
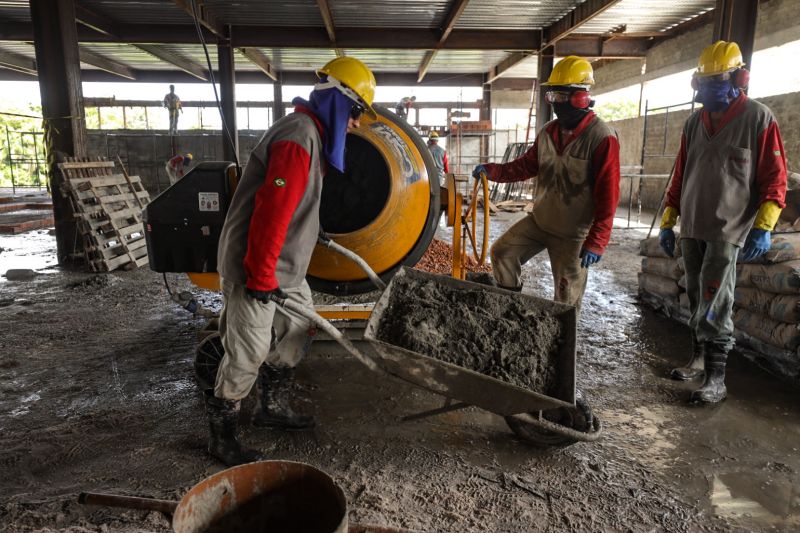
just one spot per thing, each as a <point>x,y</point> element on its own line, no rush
<point>705,80</point>
<point>356,111</point>
<point>557,97</point>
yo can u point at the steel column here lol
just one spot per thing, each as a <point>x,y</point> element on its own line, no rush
<point>227,84</point>
<point>58,65</point>
<point>735,20</point>
<point>278,111</point>
<point>544,113</point>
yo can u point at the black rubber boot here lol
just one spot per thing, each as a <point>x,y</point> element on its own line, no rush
<point>713,389</point>
<point>695,368</point>
<point>223,421</point>
<point>275,384</point>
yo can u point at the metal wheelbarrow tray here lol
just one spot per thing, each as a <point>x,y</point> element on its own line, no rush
<point>467,386</point>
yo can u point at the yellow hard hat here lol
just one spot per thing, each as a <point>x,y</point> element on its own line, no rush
<point>188,156</point>
<point>572,70</point>
<point>718,58</point>
<point>355,76</point>
<point>433,135</point>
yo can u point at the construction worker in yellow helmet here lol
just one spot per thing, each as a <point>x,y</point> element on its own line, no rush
<point>728,189</point>
<point>439,155</point>
<point>576,161</point>
<point>265,247</point>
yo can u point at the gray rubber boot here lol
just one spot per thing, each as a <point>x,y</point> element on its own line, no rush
<point>275,385</point>
<point>223,422</point>
<point>713,389</point>
<point>695,368</point>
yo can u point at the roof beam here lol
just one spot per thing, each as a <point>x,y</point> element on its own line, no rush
<point>103,63</point>
<point>17,63</point>
<point>206,19</point>
<point>327,19</point>
<point>260,60</point>
<point>455,11</point>
<point>173,58</point>
<point>94,21</point>
<point>572,20</point>
<point>595,47</point>
<point>505,65</point>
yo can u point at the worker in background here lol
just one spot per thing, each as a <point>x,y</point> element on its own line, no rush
<point>173,104</point>
<point>439,155</point>
<point>402,107</point>
<point>576,159</point>
<point>264,250</point>
<point>728,188</point>
<point>176,167</point>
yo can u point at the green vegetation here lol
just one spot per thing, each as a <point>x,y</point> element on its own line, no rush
<point>618,110</point>
<point>21,148</point>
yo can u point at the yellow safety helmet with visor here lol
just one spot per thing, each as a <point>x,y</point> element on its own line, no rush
<point>354,79</point>
<point>719,58</point>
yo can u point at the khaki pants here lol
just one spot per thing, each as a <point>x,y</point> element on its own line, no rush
<point>246,326</point>
<point>524,240</point>
<point>710,283</point>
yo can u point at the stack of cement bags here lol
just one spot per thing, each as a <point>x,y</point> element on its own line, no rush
<point>661,282</point>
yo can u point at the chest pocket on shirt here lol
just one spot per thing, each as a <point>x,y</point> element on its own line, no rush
<point>738,163</point>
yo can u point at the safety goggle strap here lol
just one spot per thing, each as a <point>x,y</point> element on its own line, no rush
<point>333,83</point>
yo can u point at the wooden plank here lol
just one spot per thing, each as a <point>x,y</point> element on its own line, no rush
<point>129,181</point>
<point>82,165</point>
<point>124,197</point>
<point>97,181</point>
<point>140,243</point>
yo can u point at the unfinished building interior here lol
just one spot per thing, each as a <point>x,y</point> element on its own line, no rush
<point>506,226</point>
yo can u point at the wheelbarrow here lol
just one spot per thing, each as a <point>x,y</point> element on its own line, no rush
<point>561,419</point>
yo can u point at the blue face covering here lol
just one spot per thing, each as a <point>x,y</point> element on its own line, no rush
<point>332,108</point>
<point>716,95</point>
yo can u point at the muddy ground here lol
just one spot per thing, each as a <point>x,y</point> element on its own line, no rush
<point>96,393</point>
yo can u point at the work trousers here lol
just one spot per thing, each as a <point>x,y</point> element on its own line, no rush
<point>173,121</point>
<point>524,240</point>
<point>246,327</point>
<point>710,284</point>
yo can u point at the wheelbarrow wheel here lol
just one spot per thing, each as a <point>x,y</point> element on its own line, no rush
<point>556,427</point>
<point>207,359</point>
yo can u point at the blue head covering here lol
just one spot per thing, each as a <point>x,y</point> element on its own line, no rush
<point>332,108</point>
<point>717,95</point>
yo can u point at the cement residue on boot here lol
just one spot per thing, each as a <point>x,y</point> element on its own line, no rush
<point>495,334</point>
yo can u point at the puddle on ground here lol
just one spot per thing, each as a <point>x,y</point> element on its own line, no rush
<point>35,250</point>
<point>760,499</point>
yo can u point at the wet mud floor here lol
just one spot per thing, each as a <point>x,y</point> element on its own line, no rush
<point>96,393</point>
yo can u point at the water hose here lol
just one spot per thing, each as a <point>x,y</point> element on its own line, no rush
<point>357,259</point>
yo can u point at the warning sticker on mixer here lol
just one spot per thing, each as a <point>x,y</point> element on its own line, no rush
<point>209,201</point>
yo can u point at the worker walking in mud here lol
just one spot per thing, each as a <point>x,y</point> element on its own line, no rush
<point>728,188</point>
<point>439,155</point>
<point>265,248</point>
<point>576,160</point>
<point>173,105</point>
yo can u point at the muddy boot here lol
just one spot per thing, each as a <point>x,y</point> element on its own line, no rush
<point>223,420</point>
<point>695,367</point>
<point>713,389</point>
<point>275,384</point>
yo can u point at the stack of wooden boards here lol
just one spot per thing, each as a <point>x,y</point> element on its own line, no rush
<point>108,207</point>
<point>767,298</point>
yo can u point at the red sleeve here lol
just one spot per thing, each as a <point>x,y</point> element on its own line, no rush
<point>674,193</point>
<point>446,164</point>
<point>605,167</point>
<point>520,169</point>
<point>275,203</point>
<point>771,166</point>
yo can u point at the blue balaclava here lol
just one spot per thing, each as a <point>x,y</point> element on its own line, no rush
<point>332,108</point>
<point>716,95</point>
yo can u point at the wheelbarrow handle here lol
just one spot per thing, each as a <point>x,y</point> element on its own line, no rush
<point>127,502</point>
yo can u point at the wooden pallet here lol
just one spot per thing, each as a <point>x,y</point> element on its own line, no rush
<point>108,208</point>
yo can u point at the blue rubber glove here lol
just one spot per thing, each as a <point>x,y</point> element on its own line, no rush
<point>476,173</point>
<point>265,297</point>
<point>667,241</point>
<point>588,258</point>
<point>757,244</point>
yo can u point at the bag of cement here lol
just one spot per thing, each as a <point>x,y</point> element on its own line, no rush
<point>781,278</point>
<point>651,248</point>
<point>785,247</point>
<point>658,285</point>
<point>779,307</point>
<point>662,266</point>
<point>763,328</point>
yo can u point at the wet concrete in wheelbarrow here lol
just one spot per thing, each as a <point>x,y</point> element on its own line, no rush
<point>503,336</point>
<point>97,393</point>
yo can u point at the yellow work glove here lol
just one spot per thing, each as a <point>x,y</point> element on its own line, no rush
<point>767,216</point>
<point>670,218</point>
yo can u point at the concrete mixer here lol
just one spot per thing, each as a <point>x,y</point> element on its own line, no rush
<point>385,208</point>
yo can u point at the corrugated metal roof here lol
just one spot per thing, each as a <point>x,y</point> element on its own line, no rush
<point>15,10</point>
<point>466,61</point>
<point>138,11</point>
<point>389,13</point>
<point>23,49</point>
<point>527,68</point>
<point>652,15</point>
<point>298,58</point>
<point>389,60</point>
<point>266,12</point>
<point>514,14</point>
